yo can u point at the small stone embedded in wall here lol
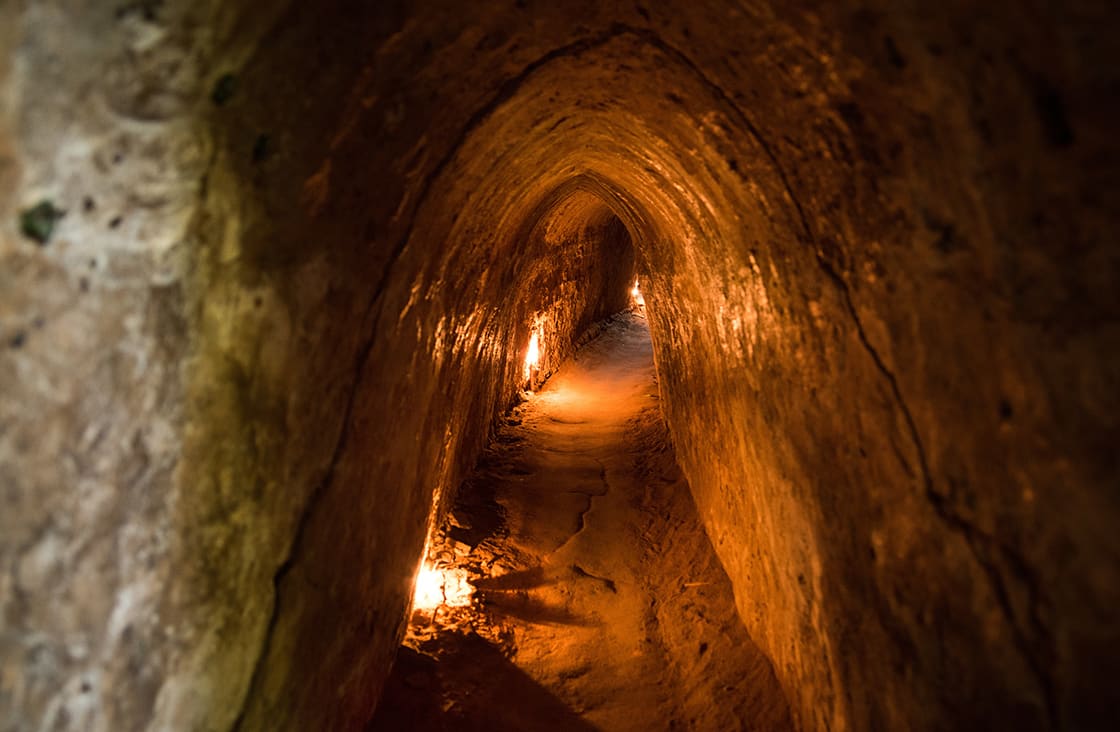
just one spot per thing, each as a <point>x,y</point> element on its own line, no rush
<point>224,89</point>
<point>262,148</point>
<point>37,223</point>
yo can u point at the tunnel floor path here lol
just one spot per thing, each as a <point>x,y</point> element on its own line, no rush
<point>598,602</point>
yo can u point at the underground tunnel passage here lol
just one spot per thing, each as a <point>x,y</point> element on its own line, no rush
<point>326,402</point>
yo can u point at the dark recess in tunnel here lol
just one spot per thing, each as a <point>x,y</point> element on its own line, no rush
<point>276,283</point>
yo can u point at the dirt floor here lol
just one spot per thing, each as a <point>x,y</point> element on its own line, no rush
<point>598,601</point>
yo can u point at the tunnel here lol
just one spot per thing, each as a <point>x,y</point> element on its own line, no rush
<point>299,300</point>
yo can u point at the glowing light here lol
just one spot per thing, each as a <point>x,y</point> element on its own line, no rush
<point>533,355</point>
<point>436,587</point>
<point>636,295</point>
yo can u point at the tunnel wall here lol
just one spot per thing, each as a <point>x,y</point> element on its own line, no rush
<point>878,248</point>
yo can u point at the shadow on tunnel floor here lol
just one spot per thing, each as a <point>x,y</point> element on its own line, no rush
<point>521,606</point>
<point>489,694</point>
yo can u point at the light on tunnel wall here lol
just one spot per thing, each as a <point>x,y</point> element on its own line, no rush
<point>436,587</point>
<point>636,296</point>
<point>533,353</point>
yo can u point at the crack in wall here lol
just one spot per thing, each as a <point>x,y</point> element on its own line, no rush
<point>979,543</point>
<point>972,535</point>
<point>304,520</point>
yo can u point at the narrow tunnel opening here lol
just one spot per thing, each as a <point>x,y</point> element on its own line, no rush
<point>438,584</point>
<point>571,562</point>
<point>573,567</point>
<point>574,256</point>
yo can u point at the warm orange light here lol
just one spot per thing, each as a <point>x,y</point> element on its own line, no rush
<point>533,355</point>
<point>636,295</point>
<point>437,587</point>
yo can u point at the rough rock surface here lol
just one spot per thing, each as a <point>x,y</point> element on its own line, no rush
<point>300,250</point>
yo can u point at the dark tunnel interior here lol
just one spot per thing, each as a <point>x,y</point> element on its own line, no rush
<point>745,365</point>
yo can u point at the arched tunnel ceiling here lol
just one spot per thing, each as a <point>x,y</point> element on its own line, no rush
<point>877,248</point>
